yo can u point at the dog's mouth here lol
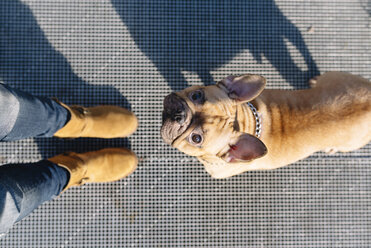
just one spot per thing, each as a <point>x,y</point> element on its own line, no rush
<point>176,118</point>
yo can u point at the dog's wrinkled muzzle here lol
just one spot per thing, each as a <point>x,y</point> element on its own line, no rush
<point>175,118</point>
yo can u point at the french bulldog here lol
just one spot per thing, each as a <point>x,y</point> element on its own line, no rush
<point>236,126</point>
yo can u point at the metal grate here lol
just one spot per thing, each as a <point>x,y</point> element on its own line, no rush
<point>133,53</point>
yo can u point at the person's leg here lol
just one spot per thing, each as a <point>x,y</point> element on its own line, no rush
<point>24,187</point>
<point>23,115</point>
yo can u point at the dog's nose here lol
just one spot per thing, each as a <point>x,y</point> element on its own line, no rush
<point>171,100</point>
<point>174,108</point>
<point>180,116</point>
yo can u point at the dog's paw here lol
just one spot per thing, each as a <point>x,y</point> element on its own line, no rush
<point>331,150</point>
<point>313,82</point>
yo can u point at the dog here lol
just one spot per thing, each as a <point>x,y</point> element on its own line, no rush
<point>236,126</point>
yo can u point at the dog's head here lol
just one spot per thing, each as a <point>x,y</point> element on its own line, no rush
<point>201,121</point>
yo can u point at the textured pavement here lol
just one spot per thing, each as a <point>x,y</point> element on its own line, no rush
<point>133,53</point>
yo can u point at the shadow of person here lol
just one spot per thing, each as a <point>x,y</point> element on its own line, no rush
<point>366,5</point>
<point>30,63</point>
<point>201,36</point>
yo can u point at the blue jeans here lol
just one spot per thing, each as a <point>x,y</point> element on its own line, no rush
<point>24,187</point>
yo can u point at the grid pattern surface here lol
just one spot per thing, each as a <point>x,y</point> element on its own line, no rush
<point>133,53</point>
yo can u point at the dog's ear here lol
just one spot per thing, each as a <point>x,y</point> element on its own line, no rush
<point>244,88</point>
<point>247,148</point>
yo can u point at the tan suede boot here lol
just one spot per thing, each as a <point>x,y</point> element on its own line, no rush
<point>105,165</point>
<point>103,121</point>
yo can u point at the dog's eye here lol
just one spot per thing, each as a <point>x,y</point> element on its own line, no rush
<point>197,96</point>
<point>196,138</point>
